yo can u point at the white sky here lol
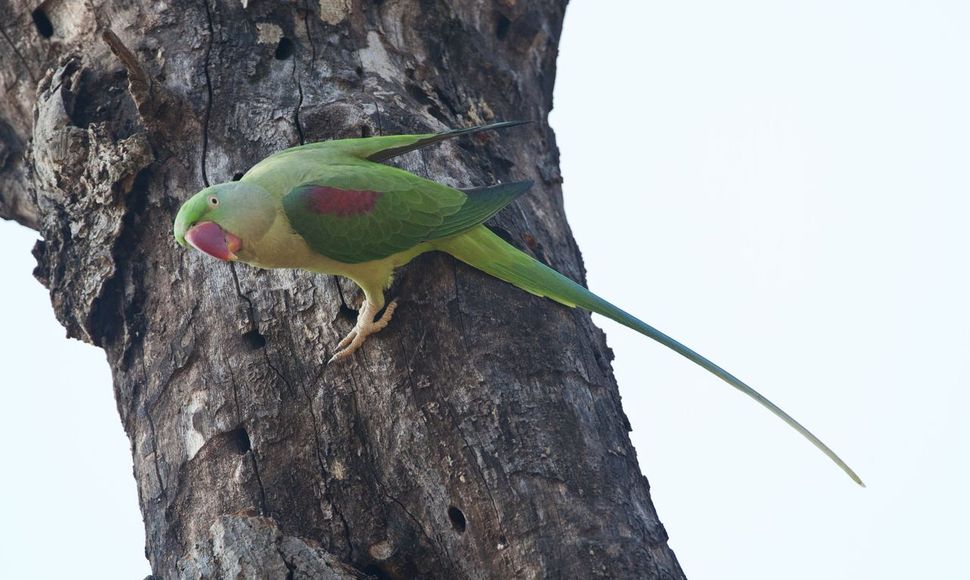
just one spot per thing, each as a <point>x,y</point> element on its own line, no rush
<point>784,187</point>
<point>781,185</point>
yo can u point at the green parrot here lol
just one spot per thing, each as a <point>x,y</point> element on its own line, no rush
<point>332,207</point>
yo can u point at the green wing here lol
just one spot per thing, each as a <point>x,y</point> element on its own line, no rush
<point>357,214</point>
<point>385,147</point>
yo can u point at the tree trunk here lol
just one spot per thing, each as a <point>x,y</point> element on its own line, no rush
<point>479,436</point>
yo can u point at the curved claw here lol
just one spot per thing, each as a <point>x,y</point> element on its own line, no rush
<point>362,330</point>
<point>347,339</point>
<point>339,356</point>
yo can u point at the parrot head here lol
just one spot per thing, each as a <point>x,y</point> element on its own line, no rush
<point>220,220</point>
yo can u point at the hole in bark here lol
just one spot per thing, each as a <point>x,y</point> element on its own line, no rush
<point>238,440</point>
<point>284,49</point>
<point>42,23</point>
<point>359,70</point>
<point>376,571</point>
<point>502,27</point>
<point>348,313</point>
<point>290,570</point>
<point>254,340</point>
<point>237,175</point>
<point>457,519</point>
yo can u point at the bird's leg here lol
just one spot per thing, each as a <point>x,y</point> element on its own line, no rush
<point>366,326</point>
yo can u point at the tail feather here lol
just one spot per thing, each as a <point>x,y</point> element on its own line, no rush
<point>484,250</point>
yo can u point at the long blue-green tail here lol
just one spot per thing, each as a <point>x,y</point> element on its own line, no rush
<point>482,249</point>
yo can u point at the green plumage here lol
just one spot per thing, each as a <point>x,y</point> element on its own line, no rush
<point>408,211</point>
<point>330,207</point>
<point>486,251</point>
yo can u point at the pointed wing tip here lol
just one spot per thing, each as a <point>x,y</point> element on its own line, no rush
<point>486,127</point>
<point>515,188</point>
<point>520,186</point>
<point>418,141</point>
<point>503,124</point>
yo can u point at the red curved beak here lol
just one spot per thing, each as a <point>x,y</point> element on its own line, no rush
<point>209,238</point>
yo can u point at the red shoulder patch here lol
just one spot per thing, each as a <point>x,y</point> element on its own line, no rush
<point>340,202</point>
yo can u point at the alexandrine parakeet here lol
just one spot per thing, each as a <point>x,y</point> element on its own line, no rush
<point>333,207</point>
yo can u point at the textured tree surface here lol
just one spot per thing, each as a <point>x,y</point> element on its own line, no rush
<point>479,436</point>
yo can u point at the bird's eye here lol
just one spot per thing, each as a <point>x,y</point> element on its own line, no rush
<point>213,201</point>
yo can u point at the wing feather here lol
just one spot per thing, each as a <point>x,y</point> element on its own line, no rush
<point>356,214</point>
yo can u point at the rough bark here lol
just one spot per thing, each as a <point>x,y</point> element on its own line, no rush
<point>479,436</point>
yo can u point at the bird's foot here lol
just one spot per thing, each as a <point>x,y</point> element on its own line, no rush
<point>366,326</point>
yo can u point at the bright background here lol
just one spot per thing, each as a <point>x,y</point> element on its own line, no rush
<point>784,186</point>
